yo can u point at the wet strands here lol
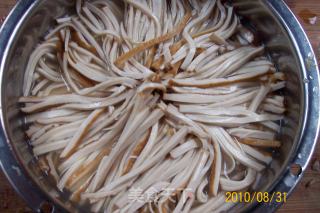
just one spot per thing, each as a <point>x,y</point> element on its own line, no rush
<point>154,106</point>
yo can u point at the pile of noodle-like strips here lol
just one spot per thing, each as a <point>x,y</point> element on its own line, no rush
<point>170,99</point>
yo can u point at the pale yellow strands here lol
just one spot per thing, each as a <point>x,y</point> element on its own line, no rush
<point>261,143</point>
<point>148,44</point>
<point>114,106</point>
<point>79,135</point>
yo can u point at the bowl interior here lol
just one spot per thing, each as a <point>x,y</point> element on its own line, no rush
<point>270,30</point>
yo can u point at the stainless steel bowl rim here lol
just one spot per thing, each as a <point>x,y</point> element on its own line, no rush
<point>35,197</point>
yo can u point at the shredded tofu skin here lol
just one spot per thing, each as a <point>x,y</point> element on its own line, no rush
<point>152,105</point>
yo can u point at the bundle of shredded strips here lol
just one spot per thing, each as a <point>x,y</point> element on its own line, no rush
<point>152,105</point>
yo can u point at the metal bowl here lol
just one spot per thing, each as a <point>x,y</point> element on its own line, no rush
<point>275,26</point>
